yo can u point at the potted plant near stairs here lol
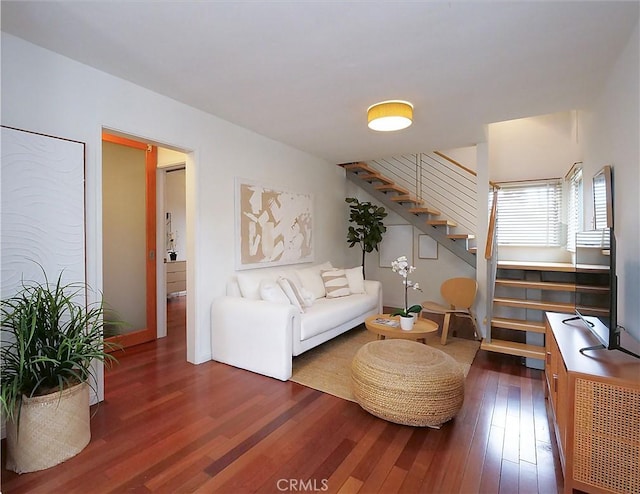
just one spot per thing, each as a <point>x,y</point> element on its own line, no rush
<point>369,226</point>
<point>50,337</point>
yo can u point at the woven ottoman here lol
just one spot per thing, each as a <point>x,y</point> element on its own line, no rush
<point>407,382</point>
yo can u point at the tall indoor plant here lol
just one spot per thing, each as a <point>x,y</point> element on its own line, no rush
<point>369,226</point>
<point>50,337</point>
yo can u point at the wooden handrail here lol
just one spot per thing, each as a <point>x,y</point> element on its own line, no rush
<point>468,170</point>
<point>488,252</point>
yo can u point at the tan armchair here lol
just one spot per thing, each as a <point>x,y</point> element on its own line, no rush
<point>459,294</point>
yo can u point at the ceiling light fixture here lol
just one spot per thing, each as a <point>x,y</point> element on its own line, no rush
<point>390,115</point>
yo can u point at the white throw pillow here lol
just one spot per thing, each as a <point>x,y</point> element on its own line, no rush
<point>311,280</point>
<point>271,292</point>
<point>290,291</point>
<point>335,283</point>
<point>249,284</point>
<point>307,296</point>
<point>355,278</point>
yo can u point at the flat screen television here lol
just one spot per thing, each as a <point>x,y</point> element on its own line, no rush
<point>596,287</point>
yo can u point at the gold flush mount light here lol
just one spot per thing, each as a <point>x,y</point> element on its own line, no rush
<point>390,115</point>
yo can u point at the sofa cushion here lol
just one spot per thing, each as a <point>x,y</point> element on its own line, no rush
<point>291,292</point>
<point>249,284</point>
<point>311,280</point>
<point>327,313</point>
<point>355,278</point>
<point>271,292</point>
<point>335,283</point>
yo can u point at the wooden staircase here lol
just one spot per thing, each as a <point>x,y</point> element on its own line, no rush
<point>412,209</point>
<point>524,291</point>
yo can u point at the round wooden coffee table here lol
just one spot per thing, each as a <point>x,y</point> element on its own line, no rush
<point>421,328</point>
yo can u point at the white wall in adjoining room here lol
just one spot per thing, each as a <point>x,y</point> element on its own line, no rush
<point>533,148</point>
<point>611,135</point>
<point>175,203</point>
<point>71,100</point>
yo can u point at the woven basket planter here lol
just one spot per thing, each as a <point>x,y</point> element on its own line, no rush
<point>53,428</point>
<point>407,382</point>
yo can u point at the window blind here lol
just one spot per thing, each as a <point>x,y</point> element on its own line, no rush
<point>529,213</point>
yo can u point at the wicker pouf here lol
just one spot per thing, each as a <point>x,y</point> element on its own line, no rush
<point>407,382</point>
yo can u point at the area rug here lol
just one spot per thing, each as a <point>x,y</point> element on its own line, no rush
<point>328,367</point>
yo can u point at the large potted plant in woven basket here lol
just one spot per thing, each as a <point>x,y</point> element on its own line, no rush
<point>50,336</point>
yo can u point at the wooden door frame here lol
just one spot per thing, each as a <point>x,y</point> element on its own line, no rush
<point>151,162</point>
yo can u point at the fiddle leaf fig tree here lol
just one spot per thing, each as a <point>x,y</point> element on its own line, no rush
<point>368,229</point>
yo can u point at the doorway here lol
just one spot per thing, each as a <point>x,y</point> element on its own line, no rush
<point>172,234</point>
<point>129,239</point>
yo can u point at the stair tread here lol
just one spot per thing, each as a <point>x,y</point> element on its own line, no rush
<point>375,177</point>
<point>550,285</point>
<point>424,210</point>
<point>537,266</point>
<point>358,167</point>
<point>441,223</point>
<point>518,324</point>
<point>535,304</point>
<point>406,198</point>
<point>392,187</point>
<point>461,236</point>
<point>549,306</point>
<point>513,348</point>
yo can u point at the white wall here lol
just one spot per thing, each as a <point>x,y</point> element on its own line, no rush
<point>466,156</point>
<point>532,148</point>
<point>611,135</point>
<point>175,201</point>
<point>45,92</point>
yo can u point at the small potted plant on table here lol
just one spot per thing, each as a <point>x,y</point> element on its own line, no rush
<point>403,268</point>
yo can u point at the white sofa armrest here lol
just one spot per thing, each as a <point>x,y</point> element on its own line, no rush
<point>374,287</point>
<point>254,335</point>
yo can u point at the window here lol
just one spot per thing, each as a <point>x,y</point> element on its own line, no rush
<point>529,213</point>
<point>574,207</point>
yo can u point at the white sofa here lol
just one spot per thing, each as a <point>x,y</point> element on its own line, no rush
<point>262,336</point>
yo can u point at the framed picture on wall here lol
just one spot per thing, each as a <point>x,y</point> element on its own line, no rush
<point>273,226</point>
<point>427,247</point>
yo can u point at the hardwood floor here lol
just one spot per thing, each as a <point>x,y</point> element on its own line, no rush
<point>172,427</point>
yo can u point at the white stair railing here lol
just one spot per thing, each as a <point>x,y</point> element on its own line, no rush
<point>442,183</point>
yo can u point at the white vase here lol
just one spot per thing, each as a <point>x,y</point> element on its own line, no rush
<point>406,323</point>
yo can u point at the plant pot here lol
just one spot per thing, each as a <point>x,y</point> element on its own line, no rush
<point>406,323</point>
<point>53,428</point>
<point>173,256</point>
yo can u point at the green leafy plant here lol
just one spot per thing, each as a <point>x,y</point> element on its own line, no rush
<point>49,338</point>
<point>403,268</point>
<point>369,226</point>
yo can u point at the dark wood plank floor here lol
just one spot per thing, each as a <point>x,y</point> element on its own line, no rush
<point>172,427</point>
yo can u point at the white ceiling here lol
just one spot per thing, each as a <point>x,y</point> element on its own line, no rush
<point>304,72</point>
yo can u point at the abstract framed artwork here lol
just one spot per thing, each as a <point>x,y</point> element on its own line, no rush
<point>273,226</point>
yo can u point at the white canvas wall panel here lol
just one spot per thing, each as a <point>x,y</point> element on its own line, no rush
<point>42,209</point>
